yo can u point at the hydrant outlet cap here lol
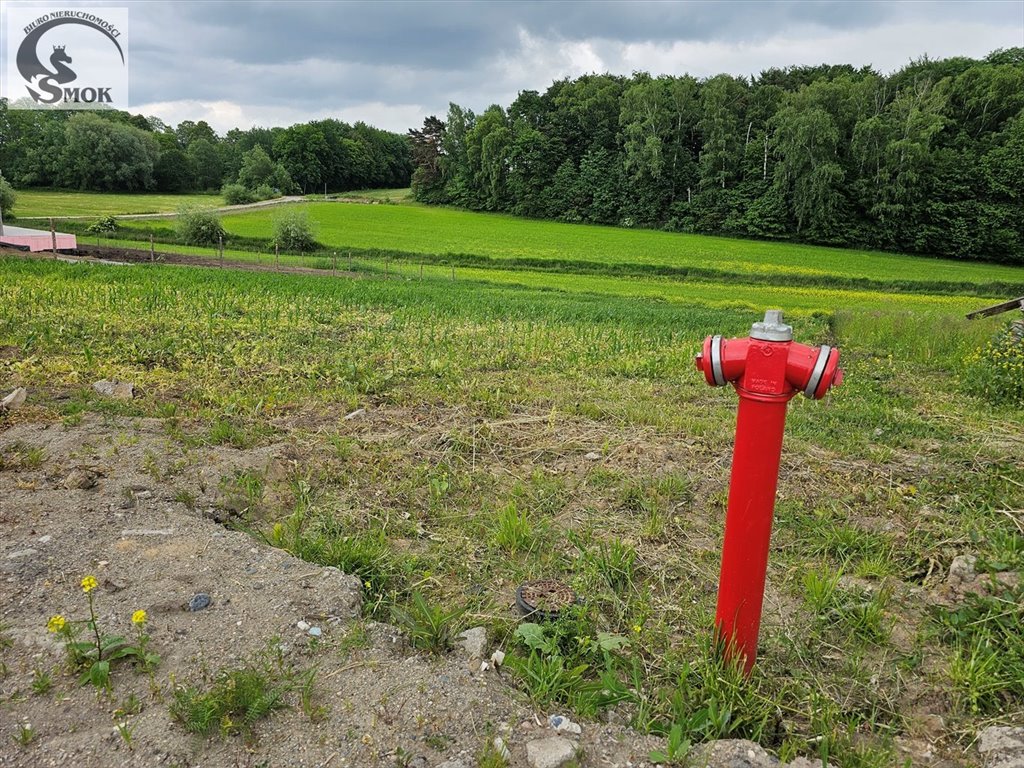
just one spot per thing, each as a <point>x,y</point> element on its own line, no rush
<point>772,328</point>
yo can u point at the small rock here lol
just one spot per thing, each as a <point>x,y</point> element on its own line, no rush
<point>146,532</point>
<point>1002,747</point>
<point>734,753</point>
<point>45,539</point>
<point>564,724</point>
<point>552,752</point>
<point>354,415</point>
<point>14,400</point>
<point>302,626</point>
<point>119,390</point>
<point>474,642</point>
<point>453,764</point>
<point>418,762</point>
<point>335,594</point>
<point>806,762</point>
<point>113,585</point>
<point>961,569</point>
<point>80,479</point>
<point>500,748</point>
<point>18,554</point>
<point>592,456</point>
<point>929,726</point>
<point>315,631</point>
<point>497,659</point>
<point>199,601</point>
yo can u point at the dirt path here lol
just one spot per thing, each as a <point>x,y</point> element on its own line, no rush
<point>111,255</point>
<point>173,214</point>
<point>222,209</point>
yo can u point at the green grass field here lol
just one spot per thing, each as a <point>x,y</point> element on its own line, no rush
<point>58,203</point>
<point>486,395</point>
<point>422,229</point>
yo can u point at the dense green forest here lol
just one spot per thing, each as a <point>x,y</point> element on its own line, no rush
<point>928,159</point>
<point>114,151</point>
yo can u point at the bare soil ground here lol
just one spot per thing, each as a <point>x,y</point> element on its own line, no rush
<point>91,505</point>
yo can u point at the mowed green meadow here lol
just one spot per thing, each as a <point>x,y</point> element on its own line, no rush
<point>434,230</point>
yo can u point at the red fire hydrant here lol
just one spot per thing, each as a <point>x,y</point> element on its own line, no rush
<point>767,370</point>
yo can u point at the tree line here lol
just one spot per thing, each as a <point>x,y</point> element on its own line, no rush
<point>114,151</point>
<point>928,159</point>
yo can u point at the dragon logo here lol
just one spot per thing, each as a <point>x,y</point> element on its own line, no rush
<point>50,81</point>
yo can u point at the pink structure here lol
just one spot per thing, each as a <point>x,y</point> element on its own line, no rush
<point>37,239</point>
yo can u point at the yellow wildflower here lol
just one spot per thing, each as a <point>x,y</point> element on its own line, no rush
<point>56,623</point>
<point>139,617</point>
<point>89,584</point>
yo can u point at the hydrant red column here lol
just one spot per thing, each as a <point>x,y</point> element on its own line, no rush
<point>748,525</point>
<point>767,370</point>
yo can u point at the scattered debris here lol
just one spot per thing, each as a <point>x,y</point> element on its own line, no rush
<point>543,599</point>
<point>14,400</point>
<point>119,390</point>
<point>564,724</point>
<point>501,749</point>
<point>592,456</point>
<point>354,414</point>
<point>473,642</point>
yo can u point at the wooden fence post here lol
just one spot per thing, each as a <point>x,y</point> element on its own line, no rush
<point>277,256</point>
<point>152,252</point>
<point>53,239</point>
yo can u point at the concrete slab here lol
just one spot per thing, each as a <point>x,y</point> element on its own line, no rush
<point>37,239</point>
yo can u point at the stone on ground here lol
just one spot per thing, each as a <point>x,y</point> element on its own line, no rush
<point>552,752</point>
<point>119,390</point>
<point>14,400</point>
<point>1002,747</point>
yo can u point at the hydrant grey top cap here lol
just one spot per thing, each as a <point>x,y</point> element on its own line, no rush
<point>772,328</point>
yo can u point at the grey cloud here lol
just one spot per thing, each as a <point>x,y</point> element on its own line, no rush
<point>320,56</point>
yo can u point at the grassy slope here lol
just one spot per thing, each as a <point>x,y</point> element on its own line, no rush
<point>57,203</point>
<point>421,229</point>
<point>752,298</point>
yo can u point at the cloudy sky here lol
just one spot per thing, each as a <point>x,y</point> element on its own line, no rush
<point>392,63</point>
